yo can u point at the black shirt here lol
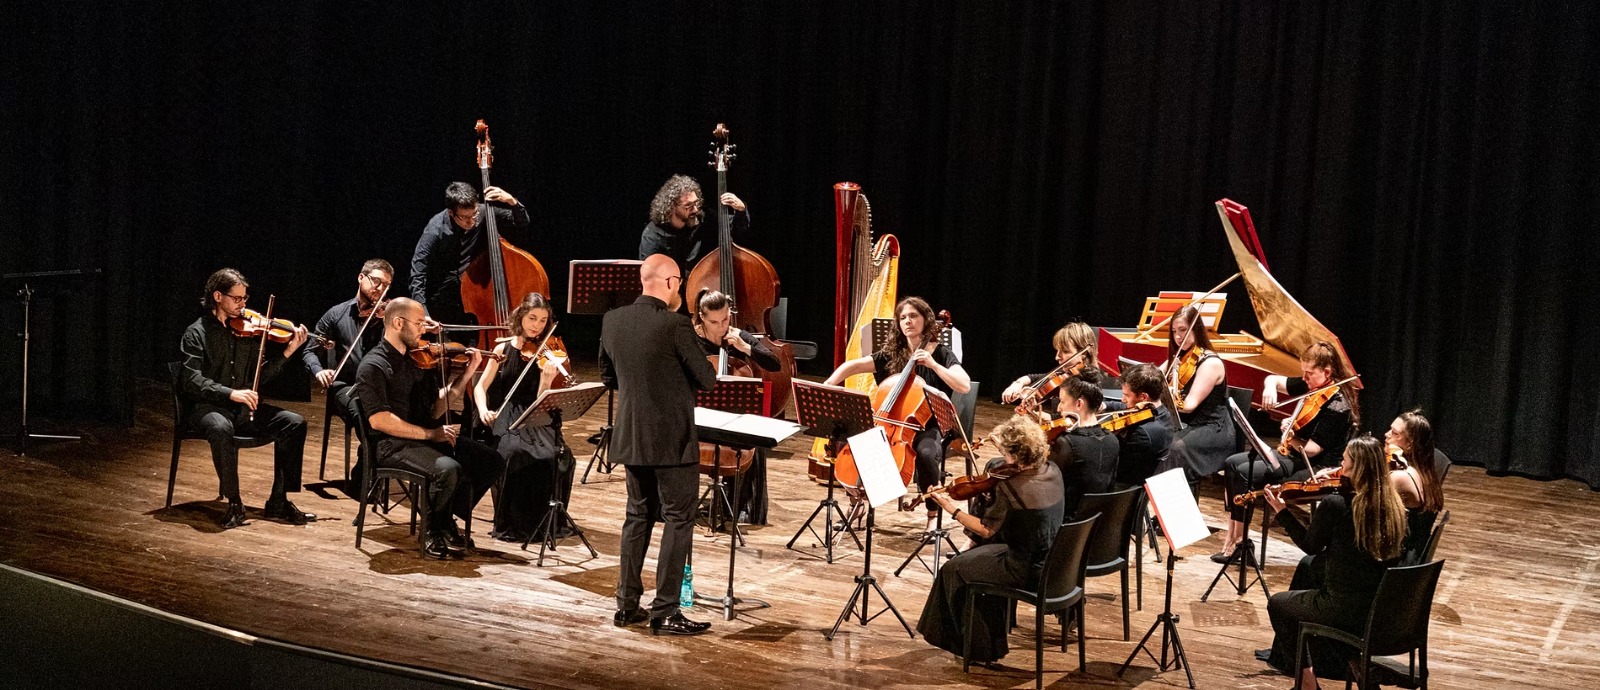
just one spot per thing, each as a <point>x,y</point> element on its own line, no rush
<point>387,381</point>
<point>216,362</point>
<point>443,252</point>
<point>941,354</point>
<point>1349,573</point>
<point>1087,456</point>
<point>340,324</point>
<point>1144,446</point>
<point>686,246</point>
<point>760,355</point>
<point>1330,428</point>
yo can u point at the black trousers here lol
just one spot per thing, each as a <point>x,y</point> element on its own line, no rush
<point>1247,472</point>
<point>657,494</point>
<point>1288,609</point>
<point>929,445</point>
<point>288,432</point>
<point>459,476</point>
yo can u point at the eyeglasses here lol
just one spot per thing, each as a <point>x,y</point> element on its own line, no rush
<point>376,282</point>
<point>691,206</point>
<point>669,280</point>
<point>241,299</point>
<point>411,321</point>
<point>465,218</point>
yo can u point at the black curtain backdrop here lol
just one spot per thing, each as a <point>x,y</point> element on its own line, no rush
<point>1420,173</point>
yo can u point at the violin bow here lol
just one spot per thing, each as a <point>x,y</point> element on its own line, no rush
<point>261,355</point>
<point>1308,394</point>
<point>501,410</point>
<point>363,329</point>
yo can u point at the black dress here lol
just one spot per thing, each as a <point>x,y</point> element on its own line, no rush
<point>928,443</point>
<point>1206,439</point>
<point>1027,511</point>
<point>538,465</point>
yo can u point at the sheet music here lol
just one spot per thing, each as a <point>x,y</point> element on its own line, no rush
<point>705,416</point>
<point>1176,508</point>
<point>875,463</point>
<point>775,430</point>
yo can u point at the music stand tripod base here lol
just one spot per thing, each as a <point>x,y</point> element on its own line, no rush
<point>1167,622</point>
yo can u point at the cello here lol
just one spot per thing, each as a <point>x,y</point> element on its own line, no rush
<point>502,270</point>
<point>747,278</point>
<point>900,407</point>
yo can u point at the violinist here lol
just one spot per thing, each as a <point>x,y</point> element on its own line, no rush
<point>714,329</point>
<point>407,405</point>
<point>1198,385</point>
<point>218,378</point>
<point>1144,444</point>
<point>1357,533</point>
<point>916,342</point>
<point>538,465</point>
<point>1086,453</point>
<point>1069,340</point>
<point>1420,482</point>
<point>341,324</point>
<point>676,225</point>
<point>1320,435</point>
<point>1018,527</point>
<point>451,240</point>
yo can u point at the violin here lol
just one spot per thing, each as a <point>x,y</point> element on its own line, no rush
<point>1123,419</point>
<point>374,309</point>
<point>553,351</point>
<point>1315,487</point>
<point>1037,391</point>
<point>1310,405</point>
<point>432,355</point>
<point>1182,372</point>
<point>966,488</point>
<point>251,324</point>
<point>1054,428</point>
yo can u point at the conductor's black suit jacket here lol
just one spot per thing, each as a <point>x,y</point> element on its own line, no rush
<point>651,357</point>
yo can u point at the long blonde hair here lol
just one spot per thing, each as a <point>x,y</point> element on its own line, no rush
<point>1379,515</point>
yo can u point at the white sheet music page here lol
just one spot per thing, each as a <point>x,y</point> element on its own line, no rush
<point>880,476</point>
<point>1176,508</point>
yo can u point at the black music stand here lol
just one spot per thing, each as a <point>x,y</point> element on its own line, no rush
<point>736,395</point>
<point>557,404</point>
<point>944,412</point>
<point>818,409</point>
<point>740,433</point>
<point>596,287</point>
<point>25,295</point>
<point>1244,552</point>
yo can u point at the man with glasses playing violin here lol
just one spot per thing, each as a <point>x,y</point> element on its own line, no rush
<point>452,239</point>
<point>217,376</point>
<point>407,405</point>
<point>675,226</point>
<point>344,321</point>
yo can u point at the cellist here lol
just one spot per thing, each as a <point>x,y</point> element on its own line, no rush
<point>1320,437</point>
<point>916,342</point>
<point>712,317</point>
<point>676,228</point>
<point>449,243</point>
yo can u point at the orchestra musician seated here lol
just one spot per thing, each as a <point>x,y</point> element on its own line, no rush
<point>407,404</point>
<point>538,465</point>
<point>1144,444</point>
<point>713,327</point>
<point>934,363</point>
<point>1069,340</point>
<point>1356,534</point>
<point>1018,527</point>
<point>1198,384</point>
<point>1420,485</point>
<point>1086,453</point>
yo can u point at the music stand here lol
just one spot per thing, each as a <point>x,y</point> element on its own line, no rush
<point>944,412</point>
<point>1244,551</point>
<point>879,462</point>
<point>747,432</point>
<point>1181,525</point>
<point>825,414</point>
<point>596,287</point>
<point>555,405</point>
<point>737,395</point>
<point>26,296</point>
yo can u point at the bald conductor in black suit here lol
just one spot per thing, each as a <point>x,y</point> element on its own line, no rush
<point>650,355</point>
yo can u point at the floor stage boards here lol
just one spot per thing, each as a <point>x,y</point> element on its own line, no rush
<point>1518,605</point>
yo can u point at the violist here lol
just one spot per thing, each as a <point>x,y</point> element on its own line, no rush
<point>917,342</point>
<point>1144,444</point>
<point>538,465</point>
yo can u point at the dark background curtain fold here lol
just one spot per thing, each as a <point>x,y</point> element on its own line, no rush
<point>1422,174</point>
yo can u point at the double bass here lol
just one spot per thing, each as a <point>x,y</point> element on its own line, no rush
<point>747,278</point>
<point>502,270</point>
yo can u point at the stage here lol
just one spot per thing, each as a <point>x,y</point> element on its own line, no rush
<point>1516,605</point>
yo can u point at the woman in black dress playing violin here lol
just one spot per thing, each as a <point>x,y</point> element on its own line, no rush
<point>1199,388</point>
<point>916,343</point>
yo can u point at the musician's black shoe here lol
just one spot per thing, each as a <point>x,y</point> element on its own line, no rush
<point>632,616</point>
<point>1223,556</point>
<point>1266,654</point>
<point>458,541</point>
<point>437,546</point>
<point>283,510</point>
<point>676,624</point>
<point>235,515</point>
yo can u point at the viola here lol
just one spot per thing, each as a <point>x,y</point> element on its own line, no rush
<point>1054,428</point>
<point>1123,419</point>
<point>966,488</point>
<point>1310,405</point>
<point>251,324</point>
<point>552,351</point>
<point>431,355</point>
<point>1041,389</point>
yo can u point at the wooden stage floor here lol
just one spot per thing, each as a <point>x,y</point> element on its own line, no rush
<point>1517,606</point>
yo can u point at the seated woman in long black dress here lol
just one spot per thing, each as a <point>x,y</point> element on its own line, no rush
<point>713,326</point>
<point>537,466</point>
<point>1204,439</point>
<point>1420,485</point>
<point>1318,443</point>
<point>916,347</point>
<point>1018,527</point>
<point>1356,534</point>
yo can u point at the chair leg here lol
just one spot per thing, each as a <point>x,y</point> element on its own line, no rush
<point>347,452</point>
<point>327,425</point>
<point>1300,658</point>
<point>966,636</point>
<point>1083,641</point>
<point>172,474</point>
<point>361,511</point>
<point>1125,636</point>
<point>1038,644</point>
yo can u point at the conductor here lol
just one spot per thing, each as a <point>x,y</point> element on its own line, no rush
<point>650,355</point>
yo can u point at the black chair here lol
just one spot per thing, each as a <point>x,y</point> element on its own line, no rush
<point>1108,545</point>
<point>1441,464</point>
<point>1060,591</point>
<point>1397,624</point>
<point>329,412</point>
<point>181,431</point>
<point>417,485</point>
<point>1434,536</point>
